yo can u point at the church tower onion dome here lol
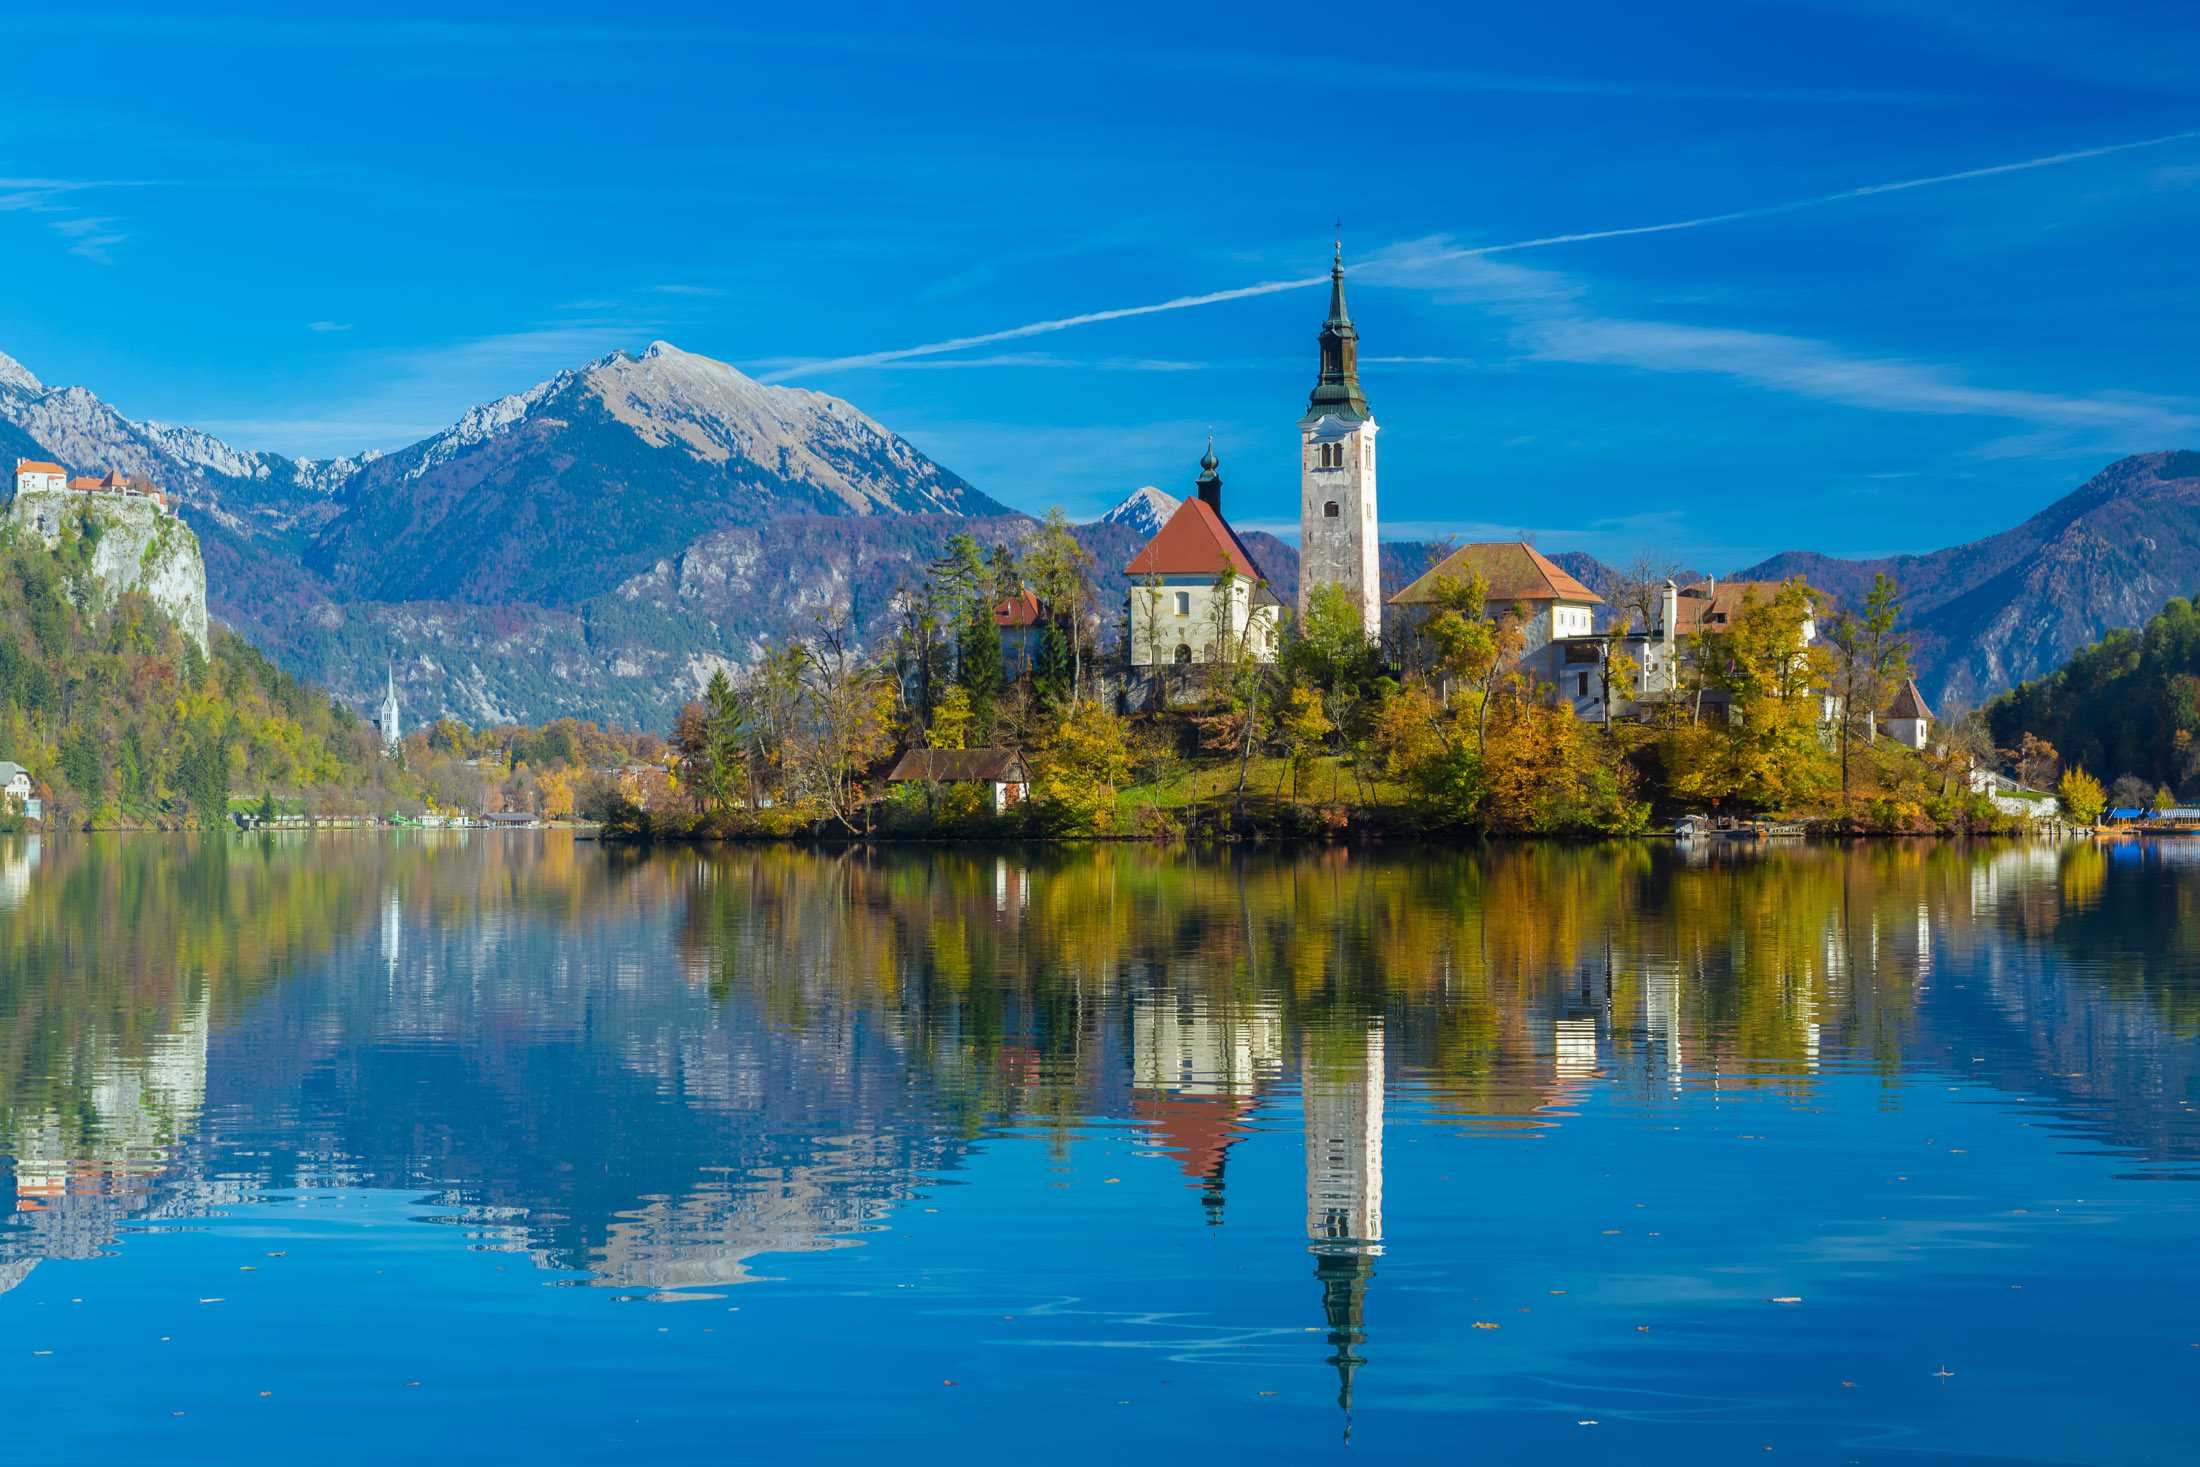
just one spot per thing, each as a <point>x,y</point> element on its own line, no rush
<point>1337,390</point>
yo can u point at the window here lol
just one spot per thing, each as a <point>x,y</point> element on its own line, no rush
<point>1183,653</point>
<point>1583,687</point>
<point>1329,510</point>
<point>1183,603</point>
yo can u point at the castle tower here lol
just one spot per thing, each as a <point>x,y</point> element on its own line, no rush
<point>1337,515</point>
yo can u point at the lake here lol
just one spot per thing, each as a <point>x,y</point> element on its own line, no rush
<point>376,1145</point>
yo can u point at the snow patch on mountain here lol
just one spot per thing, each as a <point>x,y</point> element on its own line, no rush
<point>1144,510</point>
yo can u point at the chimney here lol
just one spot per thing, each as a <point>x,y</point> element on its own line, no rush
<point>1210,482</point>
<point>1669,612</point>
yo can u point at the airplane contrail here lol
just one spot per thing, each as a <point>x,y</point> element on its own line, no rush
<point>1848,193</point>
<point>1270,287</point>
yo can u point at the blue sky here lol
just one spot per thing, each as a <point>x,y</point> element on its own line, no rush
<point>318,234</point>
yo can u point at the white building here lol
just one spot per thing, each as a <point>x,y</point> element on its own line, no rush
<point>393,732</point>
<point>15,784</point>
<point>1908,720</point>
<point>1197,595</point>
<point>31,473</point>
<point>1337,516</point>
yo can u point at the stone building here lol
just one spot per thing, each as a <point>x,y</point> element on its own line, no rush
<point>1337,513</point>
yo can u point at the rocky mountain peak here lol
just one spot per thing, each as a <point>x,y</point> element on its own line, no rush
<point>17,377</point>
<point>1144,510</point>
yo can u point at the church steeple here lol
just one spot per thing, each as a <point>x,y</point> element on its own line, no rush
<point>1210,481</point>
<point>1337,391</point>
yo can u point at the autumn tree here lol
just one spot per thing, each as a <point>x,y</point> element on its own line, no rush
<point>1869,663</point>
<point>1771,754</point>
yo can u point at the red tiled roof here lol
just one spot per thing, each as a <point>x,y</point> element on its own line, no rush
<point>84,482</point>
<point>37,466</point>
<point>1195,542</point>
<point>1513,570</point>
<point>1019,610</point>
<point>1711,605</point>
<point>1199,1127</point>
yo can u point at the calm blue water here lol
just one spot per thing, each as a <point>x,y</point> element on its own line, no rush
<point>368,1146</point>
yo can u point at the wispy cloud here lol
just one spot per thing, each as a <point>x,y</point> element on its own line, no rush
<point>1551,321</point>
<point>328,325</point>
<point>687,290</point>
<point>89,235</point>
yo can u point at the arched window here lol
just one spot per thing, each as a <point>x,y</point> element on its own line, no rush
<point>1183,652</point>
<point>1329,510</point>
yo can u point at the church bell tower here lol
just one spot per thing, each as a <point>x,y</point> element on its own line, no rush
<point>1337,516</point>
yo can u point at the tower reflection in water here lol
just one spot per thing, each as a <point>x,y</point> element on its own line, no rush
<point>1343,1098</point>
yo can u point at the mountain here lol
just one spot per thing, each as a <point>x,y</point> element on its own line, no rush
<point>593,547</point>
<point>1144,511</point>
<point>1986,616</point>
<point>566,490</point>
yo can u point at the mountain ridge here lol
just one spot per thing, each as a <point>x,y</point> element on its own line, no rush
<point>2013,606</point>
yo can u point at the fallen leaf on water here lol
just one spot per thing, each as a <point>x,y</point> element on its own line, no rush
<point>1109,1181</point>
<point>267,1393</point>
<point>1786,1299</point>
<point>210,1301</point>
<point>1585,1423</point>
<point>41,1352</point>
<point>1642,1328</point>
<point>1850,1384</point>
<point>1608,1232</point>
<point>1478,1324</point>
<point>946,1382</point>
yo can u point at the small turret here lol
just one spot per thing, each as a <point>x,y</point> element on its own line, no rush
<point>1210,482</point>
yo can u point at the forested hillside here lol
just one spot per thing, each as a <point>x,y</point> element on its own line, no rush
<point>123,722</point>
<point>2127,705</point>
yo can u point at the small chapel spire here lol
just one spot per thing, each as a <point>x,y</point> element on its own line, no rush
<point>1210,482</point>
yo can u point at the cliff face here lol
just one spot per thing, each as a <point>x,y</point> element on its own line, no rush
<point>138,547</point>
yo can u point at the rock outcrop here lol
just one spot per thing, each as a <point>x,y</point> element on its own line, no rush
<point>135,545</point>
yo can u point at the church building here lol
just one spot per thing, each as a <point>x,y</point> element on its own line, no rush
<point>1337,518</point>
<point>1196,593</point>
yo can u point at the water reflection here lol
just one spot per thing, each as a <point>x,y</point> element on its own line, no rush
<point>654,1073</point>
